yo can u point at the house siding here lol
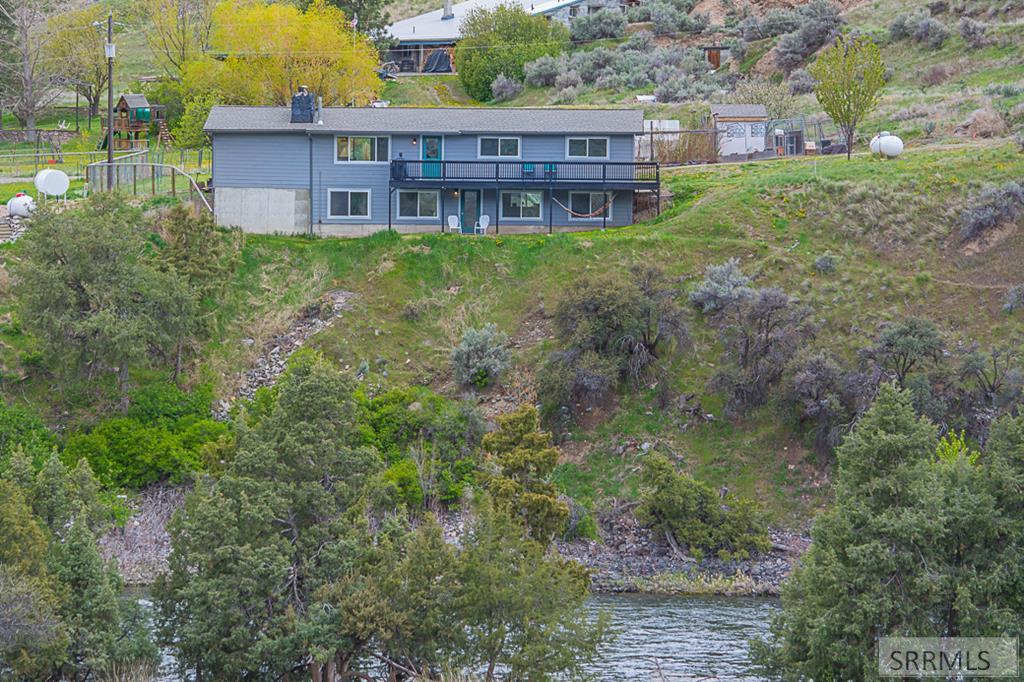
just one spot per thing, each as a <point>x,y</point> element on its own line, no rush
<point>281,161</point>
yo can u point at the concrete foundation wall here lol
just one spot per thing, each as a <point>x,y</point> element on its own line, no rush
<point>263,210</point>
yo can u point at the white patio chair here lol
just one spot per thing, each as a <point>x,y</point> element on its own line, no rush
<point>453,224</point>
<point>482,224</point>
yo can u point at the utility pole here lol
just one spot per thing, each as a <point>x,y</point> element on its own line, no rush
<point>109,50</point>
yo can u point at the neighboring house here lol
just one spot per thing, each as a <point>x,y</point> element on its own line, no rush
<point>418,39</point>
<point>352,171</point>
<point>425,43</point>
<point>742,129</point>
<point>567,10</point>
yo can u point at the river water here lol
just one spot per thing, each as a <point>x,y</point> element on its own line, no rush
<point>685,638</point>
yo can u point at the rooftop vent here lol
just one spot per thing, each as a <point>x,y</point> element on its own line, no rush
<point>303,105</point>
<point>448,13</point>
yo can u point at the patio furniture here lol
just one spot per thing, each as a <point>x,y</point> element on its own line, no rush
<point>482,224</point>
<point>453,223</point>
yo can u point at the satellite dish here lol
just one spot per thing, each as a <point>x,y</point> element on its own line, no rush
<point>21,205</point>
<point>52,182</point>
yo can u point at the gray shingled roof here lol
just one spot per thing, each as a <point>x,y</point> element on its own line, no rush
<point>441,120</point>
<point>135,101</point>
<point>739,110</point>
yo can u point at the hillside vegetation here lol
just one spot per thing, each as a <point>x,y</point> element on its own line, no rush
<point>893,228</point>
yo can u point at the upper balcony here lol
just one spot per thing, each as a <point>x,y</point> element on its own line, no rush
<point>522,174</point>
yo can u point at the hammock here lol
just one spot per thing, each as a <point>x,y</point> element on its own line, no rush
<point>592,214</point>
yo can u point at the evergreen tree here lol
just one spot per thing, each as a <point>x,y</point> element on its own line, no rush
<point>917,544</point>
<point>250,550</point>
<point>525,458</point>
<point>520,606</point>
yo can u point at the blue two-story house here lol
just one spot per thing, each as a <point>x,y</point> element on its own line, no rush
<point>346,171</point>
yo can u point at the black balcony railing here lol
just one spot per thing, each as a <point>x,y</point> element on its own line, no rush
<point>598,173</point>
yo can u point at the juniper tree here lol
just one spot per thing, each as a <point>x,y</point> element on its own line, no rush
<point>251,549</point>
<point>917,544</point>
<point>525,459</point>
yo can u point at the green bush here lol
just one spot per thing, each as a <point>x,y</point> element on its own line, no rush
<point>446,434</point>
<point>165,401</point>
<point>501,41</point>
<point>18,427</point>
<point>693,514</point>
<point>125,451</point>
<point>405,478</point>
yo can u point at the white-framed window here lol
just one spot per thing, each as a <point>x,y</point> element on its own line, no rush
<point>361,148</point>
<point>586,203</point>
<point>498,147</point>
<point>521,205</point>
<point>586,147</point>
<point>418,203</point>
<point>574,11</point>
<point>348,203</point>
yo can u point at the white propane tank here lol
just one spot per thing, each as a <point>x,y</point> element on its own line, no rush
<point>876,143</point>
<point>52,182</point>
<point>890,146</point>
<point>21,205</point>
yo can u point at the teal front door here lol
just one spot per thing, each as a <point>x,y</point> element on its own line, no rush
<point>469,207</point>
<point>432,147</point>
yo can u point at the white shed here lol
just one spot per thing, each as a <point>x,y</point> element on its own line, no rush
<point>742,129</point>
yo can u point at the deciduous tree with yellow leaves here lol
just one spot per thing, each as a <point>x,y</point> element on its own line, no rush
<point>260,53</point>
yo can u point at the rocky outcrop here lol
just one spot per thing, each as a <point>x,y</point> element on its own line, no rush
<point>274,360</point>
<point>629,558</point>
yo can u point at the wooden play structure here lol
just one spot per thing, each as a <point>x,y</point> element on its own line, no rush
<point>134,117</point>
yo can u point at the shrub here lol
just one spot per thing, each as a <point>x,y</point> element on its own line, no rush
<point>126,452</point>
<point>404,478</point>
<point>1014,299</point>
<point>724,286</point>
<point>986,122</point>
<point>992,206</point>
<point>500,41</point>
<point>405,422</point>
<point>683,89</point>
<point>566,95</point>
<point>937,74</point>
<point>606,23</point>
<point>481,356</point>
<point>690,513</point>
<point>573,380</point>
<point>825,264</point>
<point>639,13</point>
<point>819,22</point>
<point>801,82</point>
<point>568,79</point>
<point>1019,139</point>
<point>902,348</point>
<point>759,336</point>
<point>504,89</point>
<point>973,32</point>
<point>21,429</point>
<point>928,128</point>
<point>614,315</point>
<point>930,32</point>
<point>641,41</point>
<point>774,23</point>
<point>820,396</point>
<point>543,71</point>
<point>162,402</point>
<point>903,25</point>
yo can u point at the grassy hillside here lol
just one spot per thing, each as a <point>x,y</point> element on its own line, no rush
<point>893,226</point>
